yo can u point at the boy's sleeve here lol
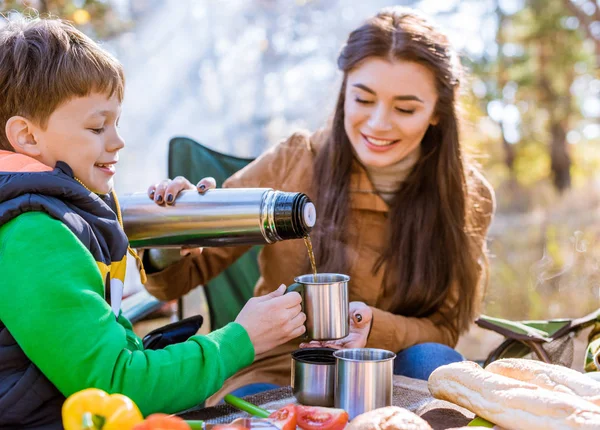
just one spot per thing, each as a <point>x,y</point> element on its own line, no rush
<point>51,301</point>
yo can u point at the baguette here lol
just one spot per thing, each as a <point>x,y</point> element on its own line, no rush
<point>548,376</point>
<point>510,403</point>
<point>388,418</point>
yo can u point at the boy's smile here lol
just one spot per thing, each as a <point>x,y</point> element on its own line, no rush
<point>82,132</point>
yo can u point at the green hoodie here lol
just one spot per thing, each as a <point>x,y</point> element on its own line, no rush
<point>54,316</point>
<point>54,308</point>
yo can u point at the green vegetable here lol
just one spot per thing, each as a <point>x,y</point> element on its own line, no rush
<point>246,407</point>
<point>480,422</point>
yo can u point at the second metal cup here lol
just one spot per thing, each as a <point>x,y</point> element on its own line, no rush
<point>325,303</point>
<point>363,380</point>
<point>313,376</point>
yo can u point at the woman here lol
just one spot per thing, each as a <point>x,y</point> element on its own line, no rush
<point>400,208</point>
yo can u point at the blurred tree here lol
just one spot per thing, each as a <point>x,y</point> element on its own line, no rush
<point>502,80</point>
<point>97,18</point>
<point>587,13</point>
<point>530,81</point>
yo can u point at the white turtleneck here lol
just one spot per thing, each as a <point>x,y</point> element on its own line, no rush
<point>387,180</point>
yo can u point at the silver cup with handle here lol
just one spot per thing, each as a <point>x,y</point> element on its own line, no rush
<point>363,379</point>
<point>325,303</point>
<point>313,376</point>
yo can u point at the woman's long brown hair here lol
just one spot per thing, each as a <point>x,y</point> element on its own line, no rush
<point>432,240</point>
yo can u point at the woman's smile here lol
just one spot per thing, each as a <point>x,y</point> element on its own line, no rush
<point>388,108</point>
<point>377,144</point>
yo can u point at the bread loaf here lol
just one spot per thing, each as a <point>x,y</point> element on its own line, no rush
<point>548,376</point>
<point>510,403</point>
<point>388,418</point>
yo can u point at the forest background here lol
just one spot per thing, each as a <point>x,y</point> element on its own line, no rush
<point>239,75</point>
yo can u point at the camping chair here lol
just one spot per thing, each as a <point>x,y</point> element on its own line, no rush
<point>549,341</point>
<point>228,292</point>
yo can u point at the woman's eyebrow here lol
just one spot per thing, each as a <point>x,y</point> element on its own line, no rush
<point>402,97</point>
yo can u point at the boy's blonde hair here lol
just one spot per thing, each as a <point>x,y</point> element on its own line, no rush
<point>47,62</point>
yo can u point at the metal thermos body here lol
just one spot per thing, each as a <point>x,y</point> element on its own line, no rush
<point>218,217</point>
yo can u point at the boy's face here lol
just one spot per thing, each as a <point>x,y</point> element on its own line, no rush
<point>83,133</point>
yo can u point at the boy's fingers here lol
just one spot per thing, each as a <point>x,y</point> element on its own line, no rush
<point>206,184</point>
<point>298,331</point>
<point>295,311</point>
<point>289,300</point>
<point>277,293</point>
<point>297,320</point>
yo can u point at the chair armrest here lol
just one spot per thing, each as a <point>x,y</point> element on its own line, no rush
<point>139,305</point>
<point>512,329</point>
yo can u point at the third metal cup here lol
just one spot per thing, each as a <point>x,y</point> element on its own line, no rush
<point>363,379</point>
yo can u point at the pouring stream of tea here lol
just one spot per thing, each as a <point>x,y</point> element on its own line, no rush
<point>311,256</point>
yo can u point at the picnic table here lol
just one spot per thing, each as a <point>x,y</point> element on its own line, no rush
<point>409,393</point>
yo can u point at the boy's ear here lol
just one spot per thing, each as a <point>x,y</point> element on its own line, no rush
<point>19,131</point>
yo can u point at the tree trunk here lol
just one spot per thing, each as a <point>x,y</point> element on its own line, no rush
<point>559,109</point>
<point>509,151</point>
<point>561,161</point>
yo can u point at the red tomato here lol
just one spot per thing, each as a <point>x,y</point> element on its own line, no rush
<point>229,427</point>
<point>317,418</point>
<point>284,418</point>
<point>162,422</point>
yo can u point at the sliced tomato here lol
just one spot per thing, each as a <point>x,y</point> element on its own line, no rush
<point>318,418</point>
<point>229,427</point>
<point>162,422</point>
<point>284,418</point>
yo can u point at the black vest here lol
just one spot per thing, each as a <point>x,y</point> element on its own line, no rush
<point>28,400</point>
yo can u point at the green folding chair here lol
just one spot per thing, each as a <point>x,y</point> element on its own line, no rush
<point>228,292</point>
<point>550,341</point>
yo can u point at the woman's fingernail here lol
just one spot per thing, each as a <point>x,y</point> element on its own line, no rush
<point>159,198</point>
<point>202,187</point>
<point>169,198</point>
<point>358,317</point>
<point>152,194</point>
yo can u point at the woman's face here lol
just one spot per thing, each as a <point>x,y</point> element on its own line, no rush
<point>388,108</point>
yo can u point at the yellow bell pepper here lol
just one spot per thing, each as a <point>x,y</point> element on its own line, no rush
<point>94,409</point>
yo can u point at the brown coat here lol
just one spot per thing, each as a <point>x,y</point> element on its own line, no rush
<point>288,166</point>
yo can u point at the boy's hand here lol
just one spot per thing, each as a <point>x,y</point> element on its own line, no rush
<point>360,325</point>
<point>167,191</point>
<point>273,319</point>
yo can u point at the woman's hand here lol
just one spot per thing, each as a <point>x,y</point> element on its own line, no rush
<point>166,192</point>
<point>360,325</point>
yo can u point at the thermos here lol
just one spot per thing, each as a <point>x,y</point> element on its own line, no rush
<point>219,217</point>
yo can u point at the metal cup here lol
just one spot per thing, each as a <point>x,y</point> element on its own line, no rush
<point>363,380</point>
<point>313,376</point>
<point>325,303</point>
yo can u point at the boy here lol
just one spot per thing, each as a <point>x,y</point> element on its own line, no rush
<point>63,250</point>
